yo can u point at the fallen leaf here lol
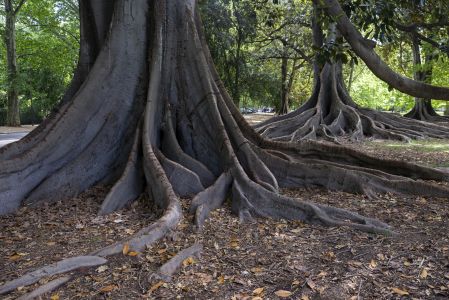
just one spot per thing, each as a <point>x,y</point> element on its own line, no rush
<point>51,243</point>
<point>305,297</point>
<point>155,286</point>
<point>322,274</point>
<point>329,255</point>
<point>311,284</point>
<point>296,282</point>
<point>257,298</point>
<point>407,263</point>
<point>183,226</point>
<point>188,261</point>
<point>54,297</point>
<point>108,288</point>
<point>399,292</point>
<point>125,249</point>
<point>14,257</point>
<point>423,274</point>
<point>258,291</point>
<point>354,263</point>
<point>256,270</point>
<point>205,278</point>
<point>221,279</point>
<point>129,231</point>
<point>283,293</point>
<point>162,251</point>
<point>373,264</point>
<point>234,244</point>
<point>133,253</point>
<point>101,269</point>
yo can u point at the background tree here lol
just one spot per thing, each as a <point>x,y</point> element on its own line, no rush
<point>331,112</point>
<point>231,25</point>
<point>421,25</point>
<point>283,29</point>
<point>11,10</point>
<point>47,43</point>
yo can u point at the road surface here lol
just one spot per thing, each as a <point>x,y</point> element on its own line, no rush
<point>6,138</point>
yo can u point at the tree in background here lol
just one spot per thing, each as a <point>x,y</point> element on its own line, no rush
<point>283,30</point>
<point>421,25</point>
<point>231,25</point>
<point>426,22</point>
<point>258,49</point>
<point>331,112</point>
<point>47,44</point>
<point>11,11</point>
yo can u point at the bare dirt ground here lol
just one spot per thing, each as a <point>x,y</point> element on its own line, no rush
<point>257,117</point>
<point>266,259</point>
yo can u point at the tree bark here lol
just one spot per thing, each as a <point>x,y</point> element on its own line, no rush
<point>153,117</point>
<point>13,113</point>
<point>285,93</point>
<point>95,24</point>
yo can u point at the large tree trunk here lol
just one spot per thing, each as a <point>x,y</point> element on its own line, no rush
<point>152,116</point>
<point>422,110</point>
<point>13,114</point>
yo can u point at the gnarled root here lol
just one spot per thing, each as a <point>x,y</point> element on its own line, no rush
<point>61,267</point>
<point>423,111</point>
<point>167,270</point>
<point>210,199</point>
<point>331,114</point>
<point>46,288</point>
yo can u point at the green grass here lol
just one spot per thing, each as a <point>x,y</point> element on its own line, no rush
<point>419,146</point>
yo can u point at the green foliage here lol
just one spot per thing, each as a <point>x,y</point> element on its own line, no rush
<point>47,48</point>
<point>248,40</point>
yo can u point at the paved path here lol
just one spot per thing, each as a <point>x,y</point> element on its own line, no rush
<point>6,138</point>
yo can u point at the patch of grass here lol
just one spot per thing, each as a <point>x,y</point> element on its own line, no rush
<point>416,145</point>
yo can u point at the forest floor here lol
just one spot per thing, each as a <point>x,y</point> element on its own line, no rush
<point>266,259</point>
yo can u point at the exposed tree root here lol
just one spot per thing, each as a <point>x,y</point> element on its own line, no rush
<point>192,141</point>
<point>167,270</point>
<point>330,114</point>
<point>61,267</point>
<point>130,185</point>
<point>46,288</point>
<point>210,199</point>
<point>423,111</point>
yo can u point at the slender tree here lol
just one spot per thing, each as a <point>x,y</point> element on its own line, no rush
<point>151,115</point>
<point>423,110</point>
<point>11,12</point>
